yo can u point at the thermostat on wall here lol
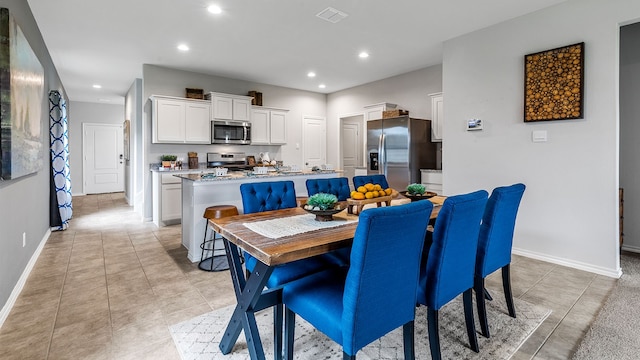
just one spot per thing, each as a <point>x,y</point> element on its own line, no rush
<point>474,124</point>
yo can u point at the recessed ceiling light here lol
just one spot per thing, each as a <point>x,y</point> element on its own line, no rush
<point>363,55</point>
<point>214,9</point>
<point>183,47</point>
<point>311,74</point>
<point>322,86</point>
<point>96,86</point>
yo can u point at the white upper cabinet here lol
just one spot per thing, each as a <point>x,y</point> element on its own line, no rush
<point>436,116</point>
<point>260,133</point>
<point>374,111</point>
<point>268,126</point>
<point>180,121</point>
<point>230,107</point>
<point>197,123</point>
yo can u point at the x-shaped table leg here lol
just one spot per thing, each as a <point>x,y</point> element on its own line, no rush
<point>250,299</point>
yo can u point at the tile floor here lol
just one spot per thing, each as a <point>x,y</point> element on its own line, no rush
<point>109,287</point>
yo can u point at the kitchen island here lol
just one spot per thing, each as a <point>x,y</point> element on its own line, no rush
<point>200,192</point>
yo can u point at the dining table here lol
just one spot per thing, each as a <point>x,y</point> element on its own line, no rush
<point>269,237</point>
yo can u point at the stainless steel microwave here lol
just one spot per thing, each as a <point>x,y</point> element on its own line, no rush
<point>230,132</point>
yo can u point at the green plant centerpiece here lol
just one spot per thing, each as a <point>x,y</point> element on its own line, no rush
<point>323,206</point>
<point>415,189</point>
<point>321,201</point>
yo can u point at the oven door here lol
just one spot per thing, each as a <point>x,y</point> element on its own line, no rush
<point>230,132</point>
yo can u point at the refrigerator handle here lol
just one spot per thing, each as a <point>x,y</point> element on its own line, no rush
<point>382,155</point>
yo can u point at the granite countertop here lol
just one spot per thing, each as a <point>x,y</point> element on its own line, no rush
<point>185,169</point>
<point>239,175</point>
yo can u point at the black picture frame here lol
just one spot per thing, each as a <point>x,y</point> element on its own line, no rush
<point>554,84</point>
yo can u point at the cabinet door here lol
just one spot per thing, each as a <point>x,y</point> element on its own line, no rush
<point>242,109</point>
<point>168,121</point>
<point>260,127</point>
<point>278,127</point>
<point>436,117</point>
<point>198,123</point>
<point>222,108</point>
<point>171,202</point>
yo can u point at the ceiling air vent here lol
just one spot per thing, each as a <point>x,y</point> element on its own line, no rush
<point>331,15</point>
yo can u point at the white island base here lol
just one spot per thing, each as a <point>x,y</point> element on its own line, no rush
<point>197,195</point>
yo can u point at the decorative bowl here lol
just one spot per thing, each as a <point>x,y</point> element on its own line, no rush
<point>325,215</point>
<point>416,197</point>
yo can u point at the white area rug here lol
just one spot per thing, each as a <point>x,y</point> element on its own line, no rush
<point>199,337</point>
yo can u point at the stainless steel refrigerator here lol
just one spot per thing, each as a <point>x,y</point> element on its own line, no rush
<point>398,148</point>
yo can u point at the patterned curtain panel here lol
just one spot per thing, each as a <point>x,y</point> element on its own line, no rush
<point>61,179</point>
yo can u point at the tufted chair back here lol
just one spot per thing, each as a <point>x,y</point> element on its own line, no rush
<point>374,179</point>
<point>336,186</point>
<point>266,196</point>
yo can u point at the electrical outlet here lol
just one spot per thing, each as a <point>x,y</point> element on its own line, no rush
<point>24,239</point>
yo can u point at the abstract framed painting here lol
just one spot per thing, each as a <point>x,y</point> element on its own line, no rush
<point>21,102</point>
<point>554,84</point>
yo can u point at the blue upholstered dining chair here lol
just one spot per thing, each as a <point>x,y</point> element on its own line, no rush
<point>376,294</point>
<point>340,188</point>
<point>374,179</point>
<point>494,246</point>
<point>448,263</point>
<point>266,196</point>
<point>275,195</point>
<point>336,186</point>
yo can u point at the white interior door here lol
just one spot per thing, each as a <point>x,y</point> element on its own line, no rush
<point>314,140</point>
<point>103,163</point>
<point>352,145</point>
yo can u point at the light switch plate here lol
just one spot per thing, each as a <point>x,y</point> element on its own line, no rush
<point>539,136</point>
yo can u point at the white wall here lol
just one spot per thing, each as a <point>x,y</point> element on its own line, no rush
<point>24,202</point>
<point>91,113</point>
<point>164,81</point>
<point>629,132</point>
<point>133,170</point>
<point>409,91</point>
<point>569,211</point>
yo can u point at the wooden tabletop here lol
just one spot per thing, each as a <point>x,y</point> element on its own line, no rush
<point>290,248</point>
<point>284,249</point>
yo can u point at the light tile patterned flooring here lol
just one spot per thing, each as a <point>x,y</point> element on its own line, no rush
<point>109,287</point>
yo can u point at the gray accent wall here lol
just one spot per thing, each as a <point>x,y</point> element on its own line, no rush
<point>24,202</point>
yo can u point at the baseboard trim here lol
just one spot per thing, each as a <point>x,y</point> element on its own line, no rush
<point>633,249</point>
<point>6,309</point>
<point>569,263</point>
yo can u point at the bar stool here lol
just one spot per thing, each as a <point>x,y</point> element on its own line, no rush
<point>214,262</point>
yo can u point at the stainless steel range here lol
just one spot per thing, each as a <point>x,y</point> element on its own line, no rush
<point>232,161</point>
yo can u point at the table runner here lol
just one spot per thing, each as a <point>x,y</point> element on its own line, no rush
<point>292,225</point>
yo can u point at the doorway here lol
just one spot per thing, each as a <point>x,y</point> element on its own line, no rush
<point>629,165</point>
<point>314,140</point>
<point>103,158</point>
<point>351,144</point>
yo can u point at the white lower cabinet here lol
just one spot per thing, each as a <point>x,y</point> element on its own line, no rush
<point>268,126</point>
<point>171,202</point>
<point>167,199</point>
